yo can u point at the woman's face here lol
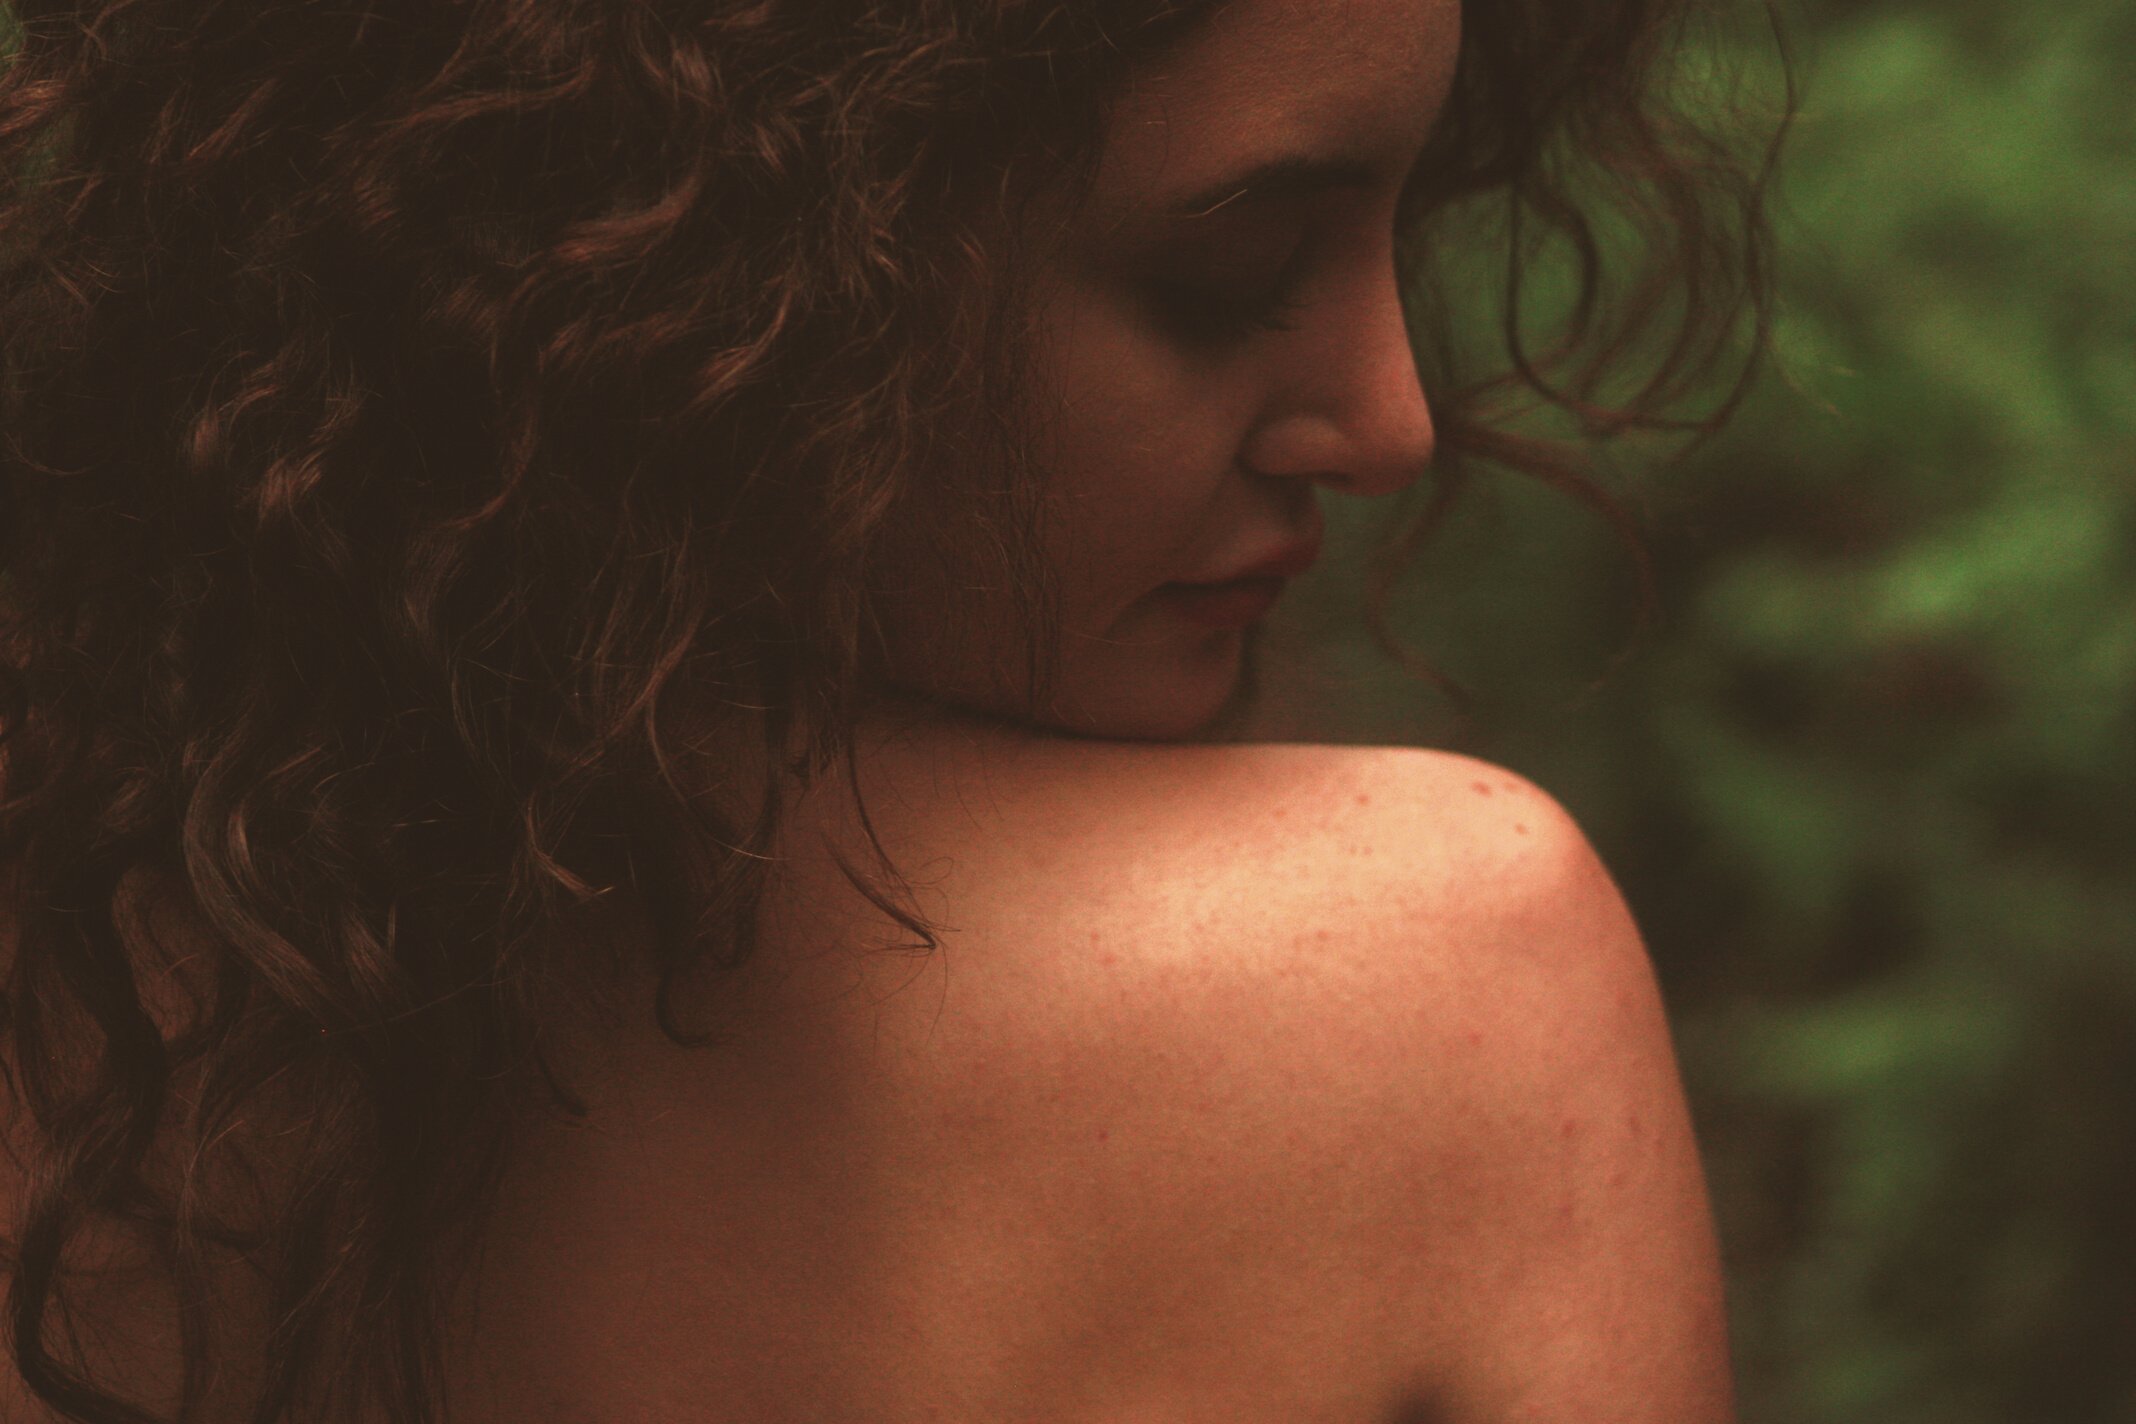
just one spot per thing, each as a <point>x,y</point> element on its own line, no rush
<point>1218,336</point>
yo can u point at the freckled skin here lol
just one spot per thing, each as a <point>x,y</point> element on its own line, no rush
<point>1207,1120</point>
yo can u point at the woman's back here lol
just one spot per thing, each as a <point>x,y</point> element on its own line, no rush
<point>1268,1082</point>
<point>1242,1088</point>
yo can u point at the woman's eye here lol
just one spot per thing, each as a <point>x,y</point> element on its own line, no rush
<point>1223,311</point>
<point>1215,314</point>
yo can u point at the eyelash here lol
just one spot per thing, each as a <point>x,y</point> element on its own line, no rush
<point>1221,317</point>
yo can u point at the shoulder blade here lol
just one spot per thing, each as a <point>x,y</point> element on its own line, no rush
<point>1543,1211</point>
<point>1372,1030</point>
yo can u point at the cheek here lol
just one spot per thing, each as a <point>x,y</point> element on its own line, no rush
<point>1142,446</point>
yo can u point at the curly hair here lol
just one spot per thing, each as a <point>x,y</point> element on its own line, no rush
<point>409,408</point>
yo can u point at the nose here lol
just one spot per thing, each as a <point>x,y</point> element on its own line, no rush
<point>1355,417</point>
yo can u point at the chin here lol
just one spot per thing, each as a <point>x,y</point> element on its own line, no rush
<point>1176,698</point>
<point>1125,693</point>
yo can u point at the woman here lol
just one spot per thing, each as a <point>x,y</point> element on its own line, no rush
<point>540,541</point>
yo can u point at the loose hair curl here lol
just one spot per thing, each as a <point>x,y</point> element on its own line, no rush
<point>407,407</point>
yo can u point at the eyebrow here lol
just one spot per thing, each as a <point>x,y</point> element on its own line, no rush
<point>1299,175</point>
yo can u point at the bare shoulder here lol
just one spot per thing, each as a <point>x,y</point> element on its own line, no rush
<point>1442,921</point>
<point>1547,1222</point>
<point>1396,863</point>
<point>1388,1002</point>
<point>1256,1082</point>
<point>1322,884</point>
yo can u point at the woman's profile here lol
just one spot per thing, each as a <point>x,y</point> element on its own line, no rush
<point>618,617</point>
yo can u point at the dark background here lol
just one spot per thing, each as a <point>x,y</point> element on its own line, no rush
<point>1868,776</point>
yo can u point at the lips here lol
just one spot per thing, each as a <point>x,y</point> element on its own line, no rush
<point>1244,595</point>
<point>1286,560</point>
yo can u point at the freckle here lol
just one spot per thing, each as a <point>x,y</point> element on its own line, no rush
<point>1479,788</point>
<point>1103,1134</point>
<point>1519,829</point>
<point>1568,1127</point>
<point>1565,1212</point>
<point>1616,1178</point>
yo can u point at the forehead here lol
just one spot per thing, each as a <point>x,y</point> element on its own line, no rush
<point>1359,79</point>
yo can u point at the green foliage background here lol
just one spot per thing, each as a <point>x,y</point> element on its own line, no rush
<point>1869,778</point>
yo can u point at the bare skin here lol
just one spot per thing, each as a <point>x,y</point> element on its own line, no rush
<point>1267,1083</point>
<point>1275,1083</point>
<point>1256,1084</point>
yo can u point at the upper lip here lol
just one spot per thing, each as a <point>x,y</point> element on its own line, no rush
<point>1286,560</point>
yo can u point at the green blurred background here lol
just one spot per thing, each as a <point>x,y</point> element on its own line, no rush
<point>1868,777</point>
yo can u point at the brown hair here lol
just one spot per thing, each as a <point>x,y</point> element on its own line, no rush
<point>409,407</point>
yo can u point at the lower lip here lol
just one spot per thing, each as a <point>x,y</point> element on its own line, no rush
<point>1225,605</point>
